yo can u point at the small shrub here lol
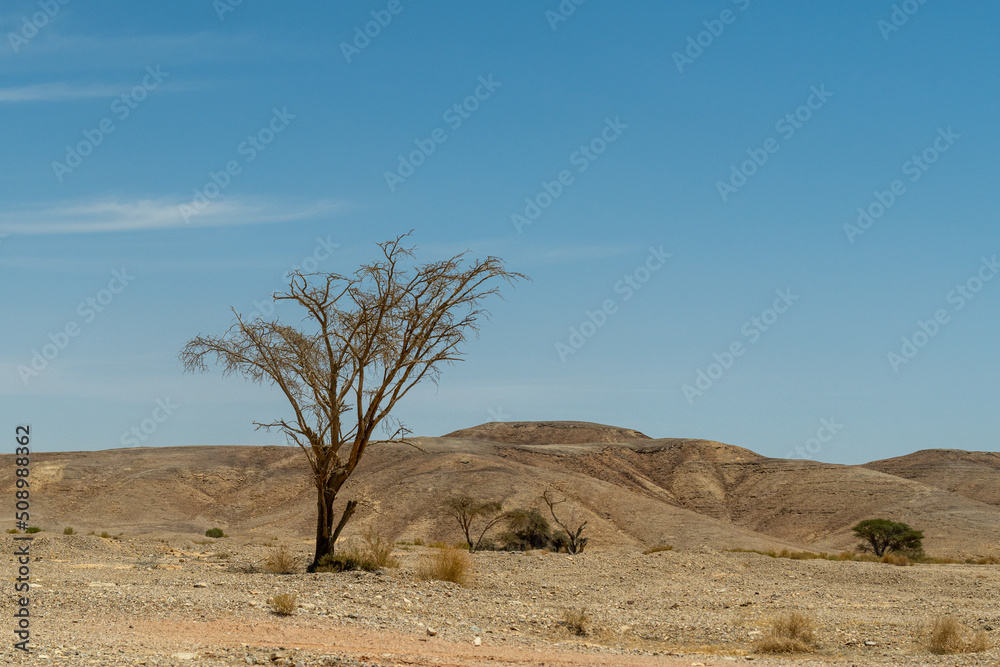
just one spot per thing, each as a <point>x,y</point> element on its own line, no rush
<point>283,604</point>
<point>658,548</point>
<point>895,559</point>
<point>791,633</point>
<point>13,530</point>
<point>106,535</point>
<point>374,553</point>
<point>68,531</point>
<point>281,561</point>
<point>451,565</point>
<point>526,529</point>
<point>32,529</point>
<point>948,636</point>
<point>577,621</point>
<point>215,532</point>
<point>419,542</point>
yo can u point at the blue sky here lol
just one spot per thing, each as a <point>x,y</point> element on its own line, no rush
<point>168,161</point>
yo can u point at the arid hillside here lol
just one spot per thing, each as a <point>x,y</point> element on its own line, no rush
<point>633,490</point>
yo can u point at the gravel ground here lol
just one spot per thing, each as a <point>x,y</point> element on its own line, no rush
<point>139,601</point>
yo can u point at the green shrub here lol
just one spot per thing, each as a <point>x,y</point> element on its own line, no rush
<point>68,531</point>
<point>32,529</point>
<point>526,529</point>
<point>215,532</point>
<point>13,530</point>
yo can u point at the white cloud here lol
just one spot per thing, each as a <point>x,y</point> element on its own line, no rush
<point>61,91</point>
<point>112,215</point>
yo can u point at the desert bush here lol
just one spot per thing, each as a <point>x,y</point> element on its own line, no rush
<point>32,529</point>
<point>791,633</point>
<point>13,530</point>
<point>418,542</point>
<point>280,561</point>
<point>68,531</point>
<point>374,553</point>
<point>215,532</point>
<point>283,604</point>
<point>576,621</point>
<point>452,565</point>
<point>895,559</point>
<point>526,529</point>
<point>658,548</point>
<point>948,636</point>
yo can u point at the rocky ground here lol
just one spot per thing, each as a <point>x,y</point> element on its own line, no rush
<point>183,601</point>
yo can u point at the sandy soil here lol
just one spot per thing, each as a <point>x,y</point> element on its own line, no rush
<point>146,602</point>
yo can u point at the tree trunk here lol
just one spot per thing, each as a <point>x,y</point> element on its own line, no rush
<point>326,536</point>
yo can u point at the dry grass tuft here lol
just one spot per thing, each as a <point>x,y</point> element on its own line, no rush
<point>283,604</point>
<point>895,559</point>
<point>791,633</point>
<point>281,561</point>
<point>577,621</point>
<point>948,636</point>
<point>374,553</point>
<point>452,565</point>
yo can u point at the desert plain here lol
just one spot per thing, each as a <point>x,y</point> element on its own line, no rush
<point>139,583</point>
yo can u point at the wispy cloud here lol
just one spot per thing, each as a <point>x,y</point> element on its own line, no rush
<point>64,92</point>
<point>112,215</point>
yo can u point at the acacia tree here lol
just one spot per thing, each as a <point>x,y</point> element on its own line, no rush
<point>466,509</point>
<point>574,543</point>
<point>365,340</point>
<point>882,535</point>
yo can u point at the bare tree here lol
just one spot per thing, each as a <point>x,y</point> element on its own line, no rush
<point>365,340</point>
<point>466,509</point>
<point>574,543</point>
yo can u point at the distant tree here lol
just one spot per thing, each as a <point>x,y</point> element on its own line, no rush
<point>526,529</point>
<point>881,536</point>
<point>466,510</point>
<point>365,340</point>
<point>570,538</point>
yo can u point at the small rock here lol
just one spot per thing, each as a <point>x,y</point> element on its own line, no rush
<point>431,632</point>
<point>201,584</point>
<point>407,601</point>
<point>478,641</point>
<point>869,643</point>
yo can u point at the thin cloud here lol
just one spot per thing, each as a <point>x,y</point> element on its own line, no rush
<point>65,92</point>
<point>109,215</point>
